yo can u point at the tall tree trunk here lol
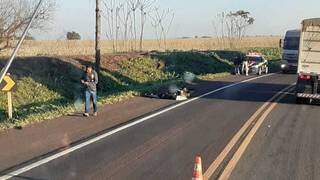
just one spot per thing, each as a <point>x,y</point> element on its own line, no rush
<point>142,30</point>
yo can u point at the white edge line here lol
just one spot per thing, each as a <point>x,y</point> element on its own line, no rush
<point>98,138</point>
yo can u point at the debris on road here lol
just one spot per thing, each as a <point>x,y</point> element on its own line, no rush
<point>171,92</point>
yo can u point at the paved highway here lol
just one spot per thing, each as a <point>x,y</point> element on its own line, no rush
<point>287,146</point>
<point>237,131</point>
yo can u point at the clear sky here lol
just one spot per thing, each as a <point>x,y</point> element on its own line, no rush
<point>192,17</point>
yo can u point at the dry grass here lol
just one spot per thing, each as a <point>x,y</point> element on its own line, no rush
<point>86,47</point>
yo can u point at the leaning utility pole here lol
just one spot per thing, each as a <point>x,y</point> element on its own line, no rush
<point>98,35</point>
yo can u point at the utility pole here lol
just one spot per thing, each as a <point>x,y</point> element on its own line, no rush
<point>98,35</point>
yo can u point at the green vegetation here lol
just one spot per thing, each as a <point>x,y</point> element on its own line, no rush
<point>273,55</point>
<point>48,87</point>
<point>143,70</point>
<point>197,63</point>
<point>73,36</point>
<point>269,53</point>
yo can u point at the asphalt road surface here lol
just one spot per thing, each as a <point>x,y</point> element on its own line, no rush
<point>284,146</point>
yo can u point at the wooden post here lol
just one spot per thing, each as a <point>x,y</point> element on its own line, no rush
<point>98,35</point>
<point>9,104</point>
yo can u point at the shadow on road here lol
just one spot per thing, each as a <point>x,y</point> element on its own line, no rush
<point>250,91</point>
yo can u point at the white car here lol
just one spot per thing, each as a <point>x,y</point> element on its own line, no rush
<point>257,63</point>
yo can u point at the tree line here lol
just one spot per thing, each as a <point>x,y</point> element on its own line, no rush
<point>126,22</point>
<point>231,27</point>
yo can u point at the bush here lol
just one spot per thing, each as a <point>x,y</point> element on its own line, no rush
<point>194,62</point>
<point>73,36</point>
<point>269,53</point>
<point>143,70</point>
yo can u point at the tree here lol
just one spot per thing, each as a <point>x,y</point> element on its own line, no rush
<point>73,36</point>
<point>232,27</point>
<point>112,13</point>
<point>134,7</point>
<point>15,15</point>
<point>144,6</point>
<point>161,22</point>
<point>237,23</point>
<point>127,19</point>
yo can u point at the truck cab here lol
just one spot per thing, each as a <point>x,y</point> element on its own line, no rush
<point>290,52</point>
<point>307,87</point>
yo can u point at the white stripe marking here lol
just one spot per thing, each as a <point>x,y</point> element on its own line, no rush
<point>98,138</point>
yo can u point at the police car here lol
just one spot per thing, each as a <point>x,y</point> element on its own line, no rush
<point>257,63</point>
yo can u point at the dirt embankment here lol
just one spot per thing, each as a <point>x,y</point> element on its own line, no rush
<point>108,61</point>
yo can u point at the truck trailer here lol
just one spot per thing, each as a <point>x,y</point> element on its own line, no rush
<point>307,87</point>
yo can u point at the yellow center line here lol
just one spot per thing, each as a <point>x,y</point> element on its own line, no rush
<point>236,157</point>
<point>213,167</point>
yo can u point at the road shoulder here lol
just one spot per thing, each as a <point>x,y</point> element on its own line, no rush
<point>21,146</point>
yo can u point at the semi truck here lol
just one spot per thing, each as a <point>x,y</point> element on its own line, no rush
<point>307,87</point>
<point>290,53</point>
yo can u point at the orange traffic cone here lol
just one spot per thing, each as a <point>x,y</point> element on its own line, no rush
<point>197,171</point>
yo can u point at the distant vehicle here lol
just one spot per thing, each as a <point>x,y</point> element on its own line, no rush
<point>257,63</point>
<point>290,52</point>
<point>307,86</point>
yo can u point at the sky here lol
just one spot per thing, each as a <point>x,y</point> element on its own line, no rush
<point>192,17</point>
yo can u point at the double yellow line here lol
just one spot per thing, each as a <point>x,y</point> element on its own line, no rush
<point>257,119</point>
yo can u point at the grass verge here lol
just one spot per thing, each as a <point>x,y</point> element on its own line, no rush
<point>48,88</point>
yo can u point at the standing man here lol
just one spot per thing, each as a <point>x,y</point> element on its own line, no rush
<point>237,64</point>
<point>90,81</point>
<point>245,66</point>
